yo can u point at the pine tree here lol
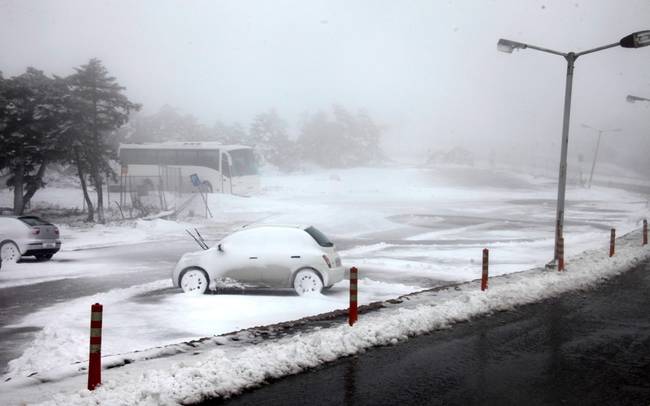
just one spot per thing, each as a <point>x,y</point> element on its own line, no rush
<point>321,141</point>
<point>99,108</point>
<point>342,139</point>
<point>229,133</point>
<point>33,120</point>
<point>168,124</point>
<point>268,134</point>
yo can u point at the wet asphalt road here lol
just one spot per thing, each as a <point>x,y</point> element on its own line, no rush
<point>587,348</point>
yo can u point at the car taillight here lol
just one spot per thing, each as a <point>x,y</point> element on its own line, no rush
<point>327,261</point>
<point>36,231</point>
<point>56,231</point>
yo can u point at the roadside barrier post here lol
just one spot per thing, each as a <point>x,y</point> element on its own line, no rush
<point>352,312</point>
<point>95,359</point>
<point>612,242</point>
<point>560,254</point>
<point>645,231</point>
<point>484,276</point>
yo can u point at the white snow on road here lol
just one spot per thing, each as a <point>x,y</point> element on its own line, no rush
<point>122,233</point>
<point>150,315</point>
<point>228,370</point>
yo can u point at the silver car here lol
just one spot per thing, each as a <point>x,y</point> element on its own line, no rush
<point>274,256</point>
<point>27,235</point>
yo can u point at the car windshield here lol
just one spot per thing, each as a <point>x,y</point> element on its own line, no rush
<point>320,238</point>
<point>33,221</point>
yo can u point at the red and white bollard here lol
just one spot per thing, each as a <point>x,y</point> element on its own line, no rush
<point>352,312</point>
<point>645,231</point>
<point>484,276</point>
<point>612,242</point>
<point>95,359</point>
<point>560,254</point>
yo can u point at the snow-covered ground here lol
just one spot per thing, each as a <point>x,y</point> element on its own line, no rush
<point>406,229</point>
<point>203,370</point>
<point>133,322</point>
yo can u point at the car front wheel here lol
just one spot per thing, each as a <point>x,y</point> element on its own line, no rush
<point>194,281</point>
<point>9,252</point>
<point>307,282</point>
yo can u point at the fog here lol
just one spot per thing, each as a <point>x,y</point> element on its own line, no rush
<point>429,72</point>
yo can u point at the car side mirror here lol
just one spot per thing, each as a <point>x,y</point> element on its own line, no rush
<point>220,248</point>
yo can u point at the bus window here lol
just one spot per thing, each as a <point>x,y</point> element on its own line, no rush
<point>127,156</point>
<point>209,159</point>
<point>243,162</point>
<point>188,157</point>
<point>166,157</point>
<point>139,157</point>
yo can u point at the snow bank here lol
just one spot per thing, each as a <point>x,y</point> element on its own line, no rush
<point>133,324</point>
<point>64,337</point>
<point>228,370</point>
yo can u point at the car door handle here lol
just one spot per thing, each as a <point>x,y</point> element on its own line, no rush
<point>295,256</point>
<point>252,257</point>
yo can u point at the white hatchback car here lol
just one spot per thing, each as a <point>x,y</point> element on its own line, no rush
<point>27,235</point>
<point>273,256</point>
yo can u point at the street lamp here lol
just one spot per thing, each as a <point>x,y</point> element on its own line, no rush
<point>634,99</point>
<point>600,134</point>
<point>634,40</point>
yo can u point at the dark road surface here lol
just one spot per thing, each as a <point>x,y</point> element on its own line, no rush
<point>586,348</point>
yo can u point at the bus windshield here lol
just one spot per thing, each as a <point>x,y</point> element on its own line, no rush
<point>243,162</point>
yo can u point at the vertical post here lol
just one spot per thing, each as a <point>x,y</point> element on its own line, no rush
<point>612,242</point>
<point>561,189</point>
<point>593,165</point>
<point>560,252</point>
<point>352,312</point>
<point>645,232</point>
<point>484,276</point>
<point>95,359</point>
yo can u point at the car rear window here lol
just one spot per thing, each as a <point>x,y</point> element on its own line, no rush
<point>320,238</point>
<point>33,221</point>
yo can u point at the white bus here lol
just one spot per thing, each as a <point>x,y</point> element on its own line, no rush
<point>168,166</point>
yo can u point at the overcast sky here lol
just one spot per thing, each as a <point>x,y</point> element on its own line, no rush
<point>427,70</point>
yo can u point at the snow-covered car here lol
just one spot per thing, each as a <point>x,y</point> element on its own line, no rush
<point>27,235</point>
<point>273,256</point>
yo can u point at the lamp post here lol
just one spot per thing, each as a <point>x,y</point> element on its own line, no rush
<point>600,134</point>
<point>635,40</point>
<point>633,99</point>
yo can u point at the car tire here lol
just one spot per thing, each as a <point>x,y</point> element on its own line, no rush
<point>194,281</point>
<point>307,282</point>
<point>9,252</point>
<point>44,257</point>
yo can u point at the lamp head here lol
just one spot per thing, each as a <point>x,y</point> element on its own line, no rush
<point>505,45</point>
<point>636,40</point>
